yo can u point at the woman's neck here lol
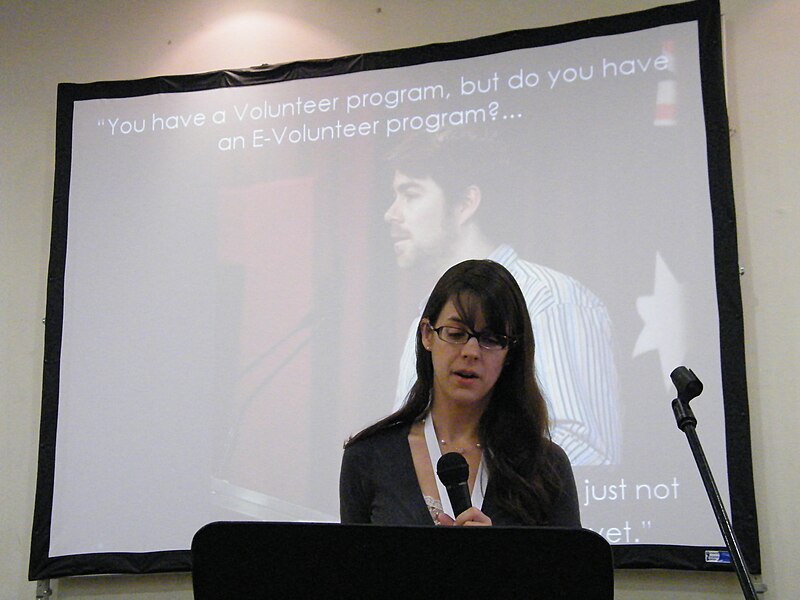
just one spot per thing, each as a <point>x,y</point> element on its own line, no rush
<point>456,426</point>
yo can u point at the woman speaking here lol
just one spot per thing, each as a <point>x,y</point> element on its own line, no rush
<point>475,395</point>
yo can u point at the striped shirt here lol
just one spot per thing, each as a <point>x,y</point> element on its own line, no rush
<point>574,360</point>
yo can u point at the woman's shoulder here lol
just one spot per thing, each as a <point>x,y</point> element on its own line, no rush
<point>558,460</point>
<point>378,450</point>
<point>548,458</point>
<point>382,438</point>
<point>556,453</point>
<point>547,450</point>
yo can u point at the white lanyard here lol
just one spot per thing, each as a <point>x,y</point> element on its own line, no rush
<point>435,454</point>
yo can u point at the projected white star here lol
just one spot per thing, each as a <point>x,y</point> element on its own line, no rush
<point>664,316</point>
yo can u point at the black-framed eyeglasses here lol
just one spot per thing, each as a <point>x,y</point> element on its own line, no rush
<point>458,335</point>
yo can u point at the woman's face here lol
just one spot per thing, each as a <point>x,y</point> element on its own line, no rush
<point>463,374</point>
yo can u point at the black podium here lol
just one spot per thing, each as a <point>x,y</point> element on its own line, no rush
<point>313,560</point>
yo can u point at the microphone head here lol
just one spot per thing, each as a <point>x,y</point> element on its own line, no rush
<point>687,383</point>
<point>452,469</point>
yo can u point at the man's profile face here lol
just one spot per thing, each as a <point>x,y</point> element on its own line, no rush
<point>420,223</point>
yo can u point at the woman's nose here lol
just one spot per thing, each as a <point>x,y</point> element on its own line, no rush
<point>472,347</point>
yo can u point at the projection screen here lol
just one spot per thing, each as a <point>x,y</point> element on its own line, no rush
<point>232,281</point>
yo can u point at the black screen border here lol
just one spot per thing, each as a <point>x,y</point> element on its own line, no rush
<point>737,425</point>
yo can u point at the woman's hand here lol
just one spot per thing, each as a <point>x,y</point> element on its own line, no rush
<point>470,518</point>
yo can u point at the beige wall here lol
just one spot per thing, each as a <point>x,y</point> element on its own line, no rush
<point>46,42</point>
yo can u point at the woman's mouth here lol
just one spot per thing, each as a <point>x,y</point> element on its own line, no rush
<point>466,374</point>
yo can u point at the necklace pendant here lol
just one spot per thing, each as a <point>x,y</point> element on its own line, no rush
<point>462,450</point>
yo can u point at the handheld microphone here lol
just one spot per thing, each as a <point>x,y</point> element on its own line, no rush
<point>453,472</point>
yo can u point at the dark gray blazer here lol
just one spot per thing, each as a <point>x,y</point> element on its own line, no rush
<point>378,484</point>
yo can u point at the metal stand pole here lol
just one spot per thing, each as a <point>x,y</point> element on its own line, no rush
<point>689,386</point>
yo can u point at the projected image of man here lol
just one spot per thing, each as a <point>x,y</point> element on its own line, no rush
<point>445,186</point>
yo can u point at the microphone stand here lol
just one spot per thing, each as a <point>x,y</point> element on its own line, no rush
<point>689,387</point>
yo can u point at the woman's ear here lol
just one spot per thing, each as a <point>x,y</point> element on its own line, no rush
<point>426,332</point>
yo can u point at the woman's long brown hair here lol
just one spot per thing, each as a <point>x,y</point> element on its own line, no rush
<point>514,428</point>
